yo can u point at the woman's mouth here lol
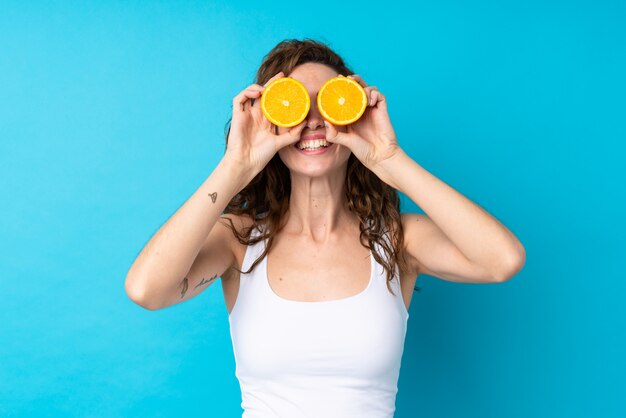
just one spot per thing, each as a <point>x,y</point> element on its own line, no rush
<point>313,146</point>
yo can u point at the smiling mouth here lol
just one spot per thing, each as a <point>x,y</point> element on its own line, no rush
<point>312,145</point>
<point>312,141</point>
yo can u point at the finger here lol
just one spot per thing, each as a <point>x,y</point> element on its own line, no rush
<point>358,79</point>
<point>371,95</point>
<point>332,134</point>
<point>239,102</point>
<point>255,87</point>
<point>291,136</point>
<point>257,103</point>
<point>255,91</point>
<point>381,100</point>
<point>244,94</point>
<point>279,75</point>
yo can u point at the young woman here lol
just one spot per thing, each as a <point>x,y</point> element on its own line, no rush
<point>318,265</point>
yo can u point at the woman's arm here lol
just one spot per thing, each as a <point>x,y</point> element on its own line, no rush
<point>160,275</point>
<point>458,240</point>
<point>454,224</point>
<point>172,265</point>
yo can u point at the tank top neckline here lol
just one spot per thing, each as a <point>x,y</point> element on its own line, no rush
<point>274,295</point>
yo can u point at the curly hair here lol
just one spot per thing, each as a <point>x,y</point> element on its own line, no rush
<point>266,198</point>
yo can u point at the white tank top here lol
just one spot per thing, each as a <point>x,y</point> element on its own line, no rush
<point>337,358</point>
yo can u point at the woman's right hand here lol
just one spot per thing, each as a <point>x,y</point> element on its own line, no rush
<point>252,143</point>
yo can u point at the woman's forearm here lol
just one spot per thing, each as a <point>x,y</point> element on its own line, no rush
<point>475,232</point>
<point>170,253</point>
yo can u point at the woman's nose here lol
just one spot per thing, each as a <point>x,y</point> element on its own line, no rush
<point>314,118</point>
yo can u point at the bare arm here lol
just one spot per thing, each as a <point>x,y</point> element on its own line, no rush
<point>192,248</point>
<point>457,240</point>
<point>160,272</point>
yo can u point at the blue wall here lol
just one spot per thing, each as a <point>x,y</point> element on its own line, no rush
<point>113,113</point>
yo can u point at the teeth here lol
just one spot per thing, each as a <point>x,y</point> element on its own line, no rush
<point>312,144</point>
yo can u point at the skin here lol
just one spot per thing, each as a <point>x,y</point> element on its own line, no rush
<point>456,240</point>
<point>184,284</point>
<point>317,202</point>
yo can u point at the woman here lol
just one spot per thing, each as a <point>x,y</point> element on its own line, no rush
<point>318,266</point>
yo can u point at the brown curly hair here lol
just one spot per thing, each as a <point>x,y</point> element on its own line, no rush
<point>266,198</point>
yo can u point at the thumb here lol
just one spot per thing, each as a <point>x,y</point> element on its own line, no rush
<point>332,134</point>
<point>291,136</point>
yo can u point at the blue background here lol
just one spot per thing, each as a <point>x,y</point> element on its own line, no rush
<point>113,113</point>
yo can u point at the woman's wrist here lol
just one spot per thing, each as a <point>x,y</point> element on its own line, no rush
<point>237,172</point>
<point>387,169</point>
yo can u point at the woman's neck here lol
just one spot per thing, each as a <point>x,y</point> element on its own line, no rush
<point>318,208</point>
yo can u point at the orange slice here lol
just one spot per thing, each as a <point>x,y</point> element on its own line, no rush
<point>285,102</point>
<point>341,101</point>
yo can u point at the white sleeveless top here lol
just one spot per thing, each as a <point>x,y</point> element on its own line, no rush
<point>337,358</point>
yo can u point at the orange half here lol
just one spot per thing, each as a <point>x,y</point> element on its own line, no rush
<point>285,102</point>
<point>341,101</point>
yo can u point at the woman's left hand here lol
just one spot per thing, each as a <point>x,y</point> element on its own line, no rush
<point>371,138</point>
